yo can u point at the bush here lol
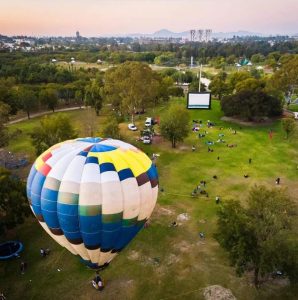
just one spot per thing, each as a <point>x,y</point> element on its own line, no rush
<point>251,105</point>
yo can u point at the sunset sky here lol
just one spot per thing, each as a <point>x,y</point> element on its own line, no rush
<point>107,17</point>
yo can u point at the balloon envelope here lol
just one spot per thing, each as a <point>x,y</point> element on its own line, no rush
<point>93,195</point>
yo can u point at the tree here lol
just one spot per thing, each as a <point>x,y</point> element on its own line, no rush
<point>111,129</point>
<point>289,126</point>
<point>233,79</point>
<point>174,124</point>
<point>218,85</point>
<point>131,86</point>
<point>4,117</point>
<point>257,58</point>
<point>257,235</point>
<point>79,97</point>
<point>251,105</point>
<point>52,130</point>
<point>27,99</point>
<point>250,84</point>
<point>287,75</point>
<point>49,97</point>
<point>13,201</point>
<point>93,96</point>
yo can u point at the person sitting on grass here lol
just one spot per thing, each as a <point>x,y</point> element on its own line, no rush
<point>42,252</point>
<point>174,224</point>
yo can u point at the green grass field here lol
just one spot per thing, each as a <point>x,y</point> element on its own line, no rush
<point>164,262</point>
<point>293,107</point>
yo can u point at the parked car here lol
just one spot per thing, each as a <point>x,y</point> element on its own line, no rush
<point>132,127</point>
<point>148,122</point>
<point>146,140</point>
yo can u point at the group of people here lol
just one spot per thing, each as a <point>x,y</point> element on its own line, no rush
<point>97,282</point>
<point>23,265</point>
<point>199,190</point>
<point>44,252</point>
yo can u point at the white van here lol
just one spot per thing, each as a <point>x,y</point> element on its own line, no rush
<point>296,115</point>
<point>148,122</point>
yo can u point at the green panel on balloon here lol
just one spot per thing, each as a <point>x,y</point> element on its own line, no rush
<point>68,198</point>
<point>112,218</point>
<point>129,222</point>
<point>89,210</point>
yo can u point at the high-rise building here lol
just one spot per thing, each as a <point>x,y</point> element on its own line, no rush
<point>78,35</point>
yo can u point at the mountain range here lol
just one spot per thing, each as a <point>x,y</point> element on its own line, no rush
<point>165,33</point>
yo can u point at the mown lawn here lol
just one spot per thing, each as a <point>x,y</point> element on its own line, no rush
<point>164,262</point>
<point>293,107</point>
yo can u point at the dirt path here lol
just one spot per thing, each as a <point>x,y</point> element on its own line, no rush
<point>45,113</point>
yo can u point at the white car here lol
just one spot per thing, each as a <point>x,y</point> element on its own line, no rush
<point>148,122</point>
<point>132,127</point>
<point>146,140</point>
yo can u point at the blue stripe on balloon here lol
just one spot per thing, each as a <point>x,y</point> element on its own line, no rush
<point>83,153</point>
<point>90,224</point>
<point>51,219</point>
<point>69,223</point>
<point>125,173</point>
<point>48,205</point>
<point>67,209</point>
<point>111,226</point>
<point>102,148</point>
<point>37,183</point>
<point>31,176</point>
<point>91,160</point>
<point>90,140</point>
<point>91,239</point>
<point>105,167</point>
<point>68,220</point>
<point>109,238</point>
<point>152,172</point>
<point>127,234</point>
<point>36,187</point>
<point>71,235</point>
<point>48,194</point>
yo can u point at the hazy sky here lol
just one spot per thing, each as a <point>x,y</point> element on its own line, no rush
<point>103,17</point>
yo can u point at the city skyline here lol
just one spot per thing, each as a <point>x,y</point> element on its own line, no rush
<point>121,17</point>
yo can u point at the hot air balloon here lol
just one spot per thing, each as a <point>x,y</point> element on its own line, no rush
<point>93,195</point>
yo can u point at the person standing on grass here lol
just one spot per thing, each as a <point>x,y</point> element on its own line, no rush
<point>217,199</point>
<point>23,267</point>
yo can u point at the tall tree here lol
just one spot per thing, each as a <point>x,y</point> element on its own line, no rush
<point>174,124</point>
<point>49,97</point>
<point>94,96</point>
<point>218,85</point>
<point>27,99</point>
<point>13,201</point>
<point>257,234</point>
<point>52,130</point>
<point>111,129</point>
<point>287,76</point>
<point>131,86</point>
<point>4,117</point>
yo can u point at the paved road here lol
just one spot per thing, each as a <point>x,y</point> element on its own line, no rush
<point>45,113</point>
